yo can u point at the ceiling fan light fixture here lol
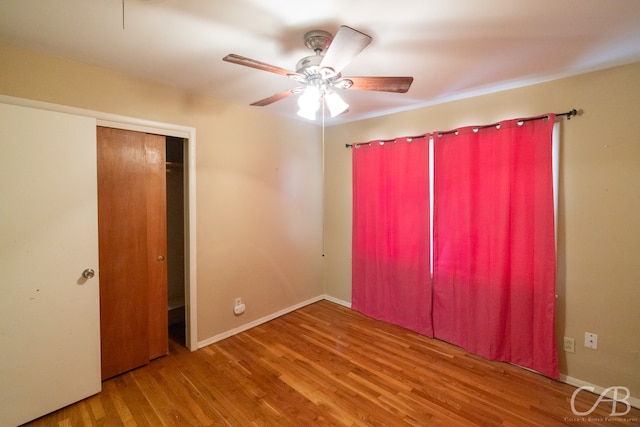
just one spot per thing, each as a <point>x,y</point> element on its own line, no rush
<point>308,114</point>
<point>309,102</point>
<point>336,104</point>
<point>320,75</point>
<point>310,98</point>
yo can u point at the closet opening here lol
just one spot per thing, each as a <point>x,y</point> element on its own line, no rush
<point>176,227</point>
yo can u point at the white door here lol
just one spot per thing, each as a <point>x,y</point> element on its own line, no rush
<point>49,313</point>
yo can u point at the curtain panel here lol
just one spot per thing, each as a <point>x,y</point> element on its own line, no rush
<point>494,243</point>
<point>391,243</point>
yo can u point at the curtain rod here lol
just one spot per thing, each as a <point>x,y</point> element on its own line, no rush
<point>568,114</point>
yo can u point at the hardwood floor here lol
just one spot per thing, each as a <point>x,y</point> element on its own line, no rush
<point>326,365</point>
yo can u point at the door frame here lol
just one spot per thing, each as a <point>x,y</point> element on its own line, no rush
<point>167,129</point>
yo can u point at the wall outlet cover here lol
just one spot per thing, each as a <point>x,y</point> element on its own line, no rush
<point>569,345</point>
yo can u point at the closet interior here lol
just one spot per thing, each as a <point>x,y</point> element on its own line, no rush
<point>175,187</point>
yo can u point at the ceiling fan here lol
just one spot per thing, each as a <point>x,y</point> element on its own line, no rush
<point>319,75</point>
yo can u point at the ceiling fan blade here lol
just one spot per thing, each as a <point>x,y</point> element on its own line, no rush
<point>380,84</point>
<point>273,98</point>
<point>346,45</point>
<point>247,62</point>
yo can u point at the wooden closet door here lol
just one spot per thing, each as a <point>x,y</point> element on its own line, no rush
<point>156,188</point>
<point>132,277</point>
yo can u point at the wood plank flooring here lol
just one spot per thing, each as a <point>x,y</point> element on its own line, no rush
<point>326,365</point>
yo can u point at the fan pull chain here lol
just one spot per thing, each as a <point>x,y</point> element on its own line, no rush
<point>323,183</point>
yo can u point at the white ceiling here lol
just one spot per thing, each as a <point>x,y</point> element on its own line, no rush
<point>453,49</point>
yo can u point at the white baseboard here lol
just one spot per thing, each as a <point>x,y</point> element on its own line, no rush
<point>337,301</point>
<point>257,322</point>
<point>633,401</point>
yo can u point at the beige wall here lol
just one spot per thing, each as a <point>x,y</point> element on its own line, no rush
<point>259,183</point>
<point>599,207</point>
<point>259,201</point>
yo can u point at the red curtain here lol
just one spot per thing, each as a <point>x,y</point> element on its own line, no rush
<point>494,243</point>
<point>391,244</point>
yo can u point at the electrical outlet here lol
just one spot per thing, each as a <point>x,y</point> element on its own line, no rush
<point>569,345</point>
<point>238,301</point>
<point>591,340</point>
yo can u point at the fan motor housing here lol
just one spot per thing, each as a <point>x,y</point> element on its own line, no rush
<point>318,40</point>
<point>309,65</point>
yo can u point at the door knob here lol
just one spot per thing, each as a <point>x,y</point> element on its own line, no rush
<point>88,273</point>
<point>160,257</point>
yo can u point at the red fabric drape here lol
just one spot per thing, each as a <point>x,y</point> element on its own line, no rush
<point>494,243</point>
<point>391,244</point>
